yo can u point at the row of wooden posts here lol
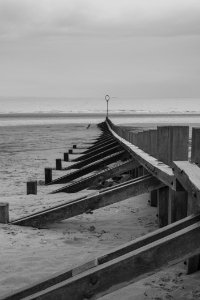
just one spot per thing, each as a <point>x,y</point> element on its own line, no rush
<point>31,186</point>
<point>169,144</point>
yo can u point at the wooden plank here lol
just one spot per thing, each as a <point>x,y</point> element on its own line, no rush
<point>103,198</point>
<point>99,149</point>
<point>163,201</point>
<point>129,267</point>
<point>155,167</point>
<point>98,145</point>
<point>94,158</point>
<point>106,257</point>
<point>89,168</point>
<point>189,176</point>
<point>105,174</point>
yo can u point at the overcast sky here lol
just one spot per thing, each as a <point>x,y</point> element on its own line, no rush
<point>128,48</point>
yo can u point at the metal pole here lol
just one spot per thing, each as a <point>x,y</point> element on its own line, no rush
<point>107,98</point>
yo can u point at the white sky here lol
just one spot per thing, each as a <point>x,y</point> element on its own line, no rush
<point>128,48</point>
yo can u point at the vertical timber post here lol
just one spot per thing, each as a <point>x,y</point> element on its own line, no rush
<point>58,164</point>
<point>193,263</point>
<point>66,156</point>
<point>153,151</point>
<point>48,175</point>
<point>179,151</point>
<point>4,212</point>
<point>31,187</point>
<point>172,143</point>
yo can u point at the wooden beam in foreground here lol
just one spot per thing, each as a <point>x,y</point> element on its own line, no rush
<point>103,198</point>
<point>129,267</point>
<point>158,169</point>
<point>105,174</point>
<point>89,168</point>
<point>108,256</point>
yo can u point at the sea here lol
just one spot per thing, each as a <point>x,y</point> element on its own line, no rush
<point>34,132</point>
<point>19,111</point>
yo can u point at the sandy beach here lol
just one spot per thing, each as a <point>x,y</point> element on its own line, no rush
<point>29,254</point>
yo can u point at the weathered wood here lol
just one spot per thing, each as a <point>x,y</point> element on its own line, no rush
<point>172,143</point>
<point>106,257</point>
<point>48,175</point>
<point>195,151</point>
<point>97,146</point>
<point>163,201</point>
<point>91,159</point>
<point>189,176</point>
<point>66,156</point>
<point>177,204</point>
<point>89,168</point>
<point>4,212</point>
<point>101,199</point>
<point>31,187</point>
<point>58,164</point>
<point>154,198</point>
<point>155,167</point>
<point>129,267</point>
<point>98,150</point>
<point>153,143</point>
<point>105,174</point>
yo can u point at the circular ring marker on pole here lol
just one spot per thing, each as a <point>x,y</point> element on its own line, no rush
<point>107,97</point>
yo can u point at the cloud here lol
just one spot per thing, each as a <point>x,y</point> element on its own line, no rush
<point>99,17</point>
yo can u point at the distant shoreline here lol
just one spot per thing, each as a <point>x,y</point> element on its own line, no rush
<point>96,115</point>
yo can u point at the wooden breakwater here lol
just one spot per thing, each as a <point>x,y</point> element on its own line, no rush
<point>158,162</point>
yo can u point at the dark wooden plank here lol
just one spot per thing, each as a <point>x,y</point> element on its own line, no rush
<point>129,267</point>
<point>189,176</point>
<point>105,174</point>
<point>88,169</point>
<point>99,149</point>
<point>101,199</point>
<point>94,158</point>
<point>158,169</point>
<point>108,256</point>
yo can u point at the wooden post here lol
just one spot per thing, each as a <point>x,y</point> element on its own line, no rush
<point>193,263</point>
<point>66,156</point>
<point>140,171</point>
<point>163,197</point>
<point>172,144</point>
<point>32,187</point>
<point>70,151</point>
<point>58,164</point>
<point>48,175</point>
<point>4,212</point>
<point>74,146</point>
<point>195,151</point>
<point>153,143</point>
<point>177,203</point>
<point>146,140</point>
<point>140,139</point>
<point>153,198</point>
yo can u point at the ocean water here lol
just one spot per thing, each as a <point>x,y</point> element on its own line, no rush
<point>96,105</point>
<point>43,111</point>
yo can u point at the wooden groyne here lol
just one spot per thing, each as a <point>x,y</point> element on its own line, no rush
<point>158,163</point>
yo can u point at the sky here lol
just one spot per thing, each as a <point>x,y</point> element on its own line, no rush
<point>89,48</point>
